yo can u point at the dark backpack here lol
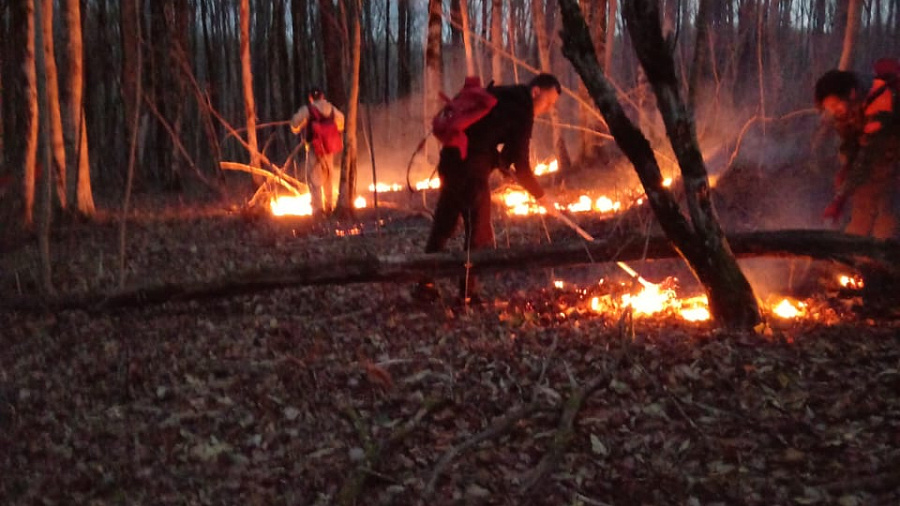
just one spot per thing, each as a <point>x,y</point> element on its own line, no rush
<point>323,132</point>
<point>472,103</point>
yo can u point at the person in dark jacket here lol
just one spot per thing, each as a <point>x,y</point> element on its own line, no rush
<point>865,118</point>
<point>501,139</point>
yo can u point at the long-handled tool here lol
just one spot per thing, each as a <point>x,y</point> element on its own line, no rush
<point>588,237</point>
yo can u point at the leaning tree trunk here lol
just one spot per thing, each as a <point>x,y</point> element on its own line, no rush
<point>54,117</point>
<point>540,30</point>
<point>247,76</point>
<point>32,117</point>
<point>348,162</point>
<point>84,197</point>
<point>43,65</point>
<point>700,241</point>
<point>853,12</point>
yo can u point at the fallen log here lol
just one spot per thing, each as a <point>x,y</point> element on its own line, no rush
<point>859,253</point>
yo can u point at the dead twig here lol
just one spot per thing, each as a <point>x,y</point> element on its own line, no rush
<point>496,429</point>
<point>374,452</point>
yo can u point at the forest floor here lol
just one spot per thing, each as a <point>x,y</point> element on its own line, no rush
<point>362,394</point>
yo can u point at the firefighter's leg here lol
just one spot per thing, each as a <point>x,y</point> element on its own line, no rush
<point>315,187</point>
<point>327,186</point>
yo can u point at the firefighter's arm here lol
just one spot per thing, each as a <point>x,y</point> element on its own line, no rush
<point>298,121</point>
<point>517,152</point>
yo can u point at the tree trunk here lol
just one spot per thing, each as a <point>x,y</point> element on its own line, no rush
<point>559,144</point>
<point>43,65</point>
<point>497,41</point>
<point>332,31</point>
<point>32,117</point>
<point>434,64</point>
<point>467,37</point>
<point>854,8</point>
<point>701,242</point>
<point>53,116</point>
<point>610,36</point>
<point>247,79</point>
<point>128,22</point>
<point>84,197</point>
<point>861,253</point>
<point>348,163</point>
<point>404,72</point>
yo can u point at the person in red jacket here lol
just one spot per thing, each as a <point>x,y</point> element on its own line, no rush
<point>866,119</point>
<point>465,192</point>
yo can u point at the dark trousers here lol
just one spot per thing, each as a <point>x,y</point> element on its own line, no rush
<point>465,193</point>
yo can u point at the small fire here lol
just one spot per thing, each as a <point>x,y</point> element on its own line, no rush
<point>520,203</point>
<point>650,300</point>
<point>385,188</point>
<point>852,282</point>
<point>545,168</point>
<point>603,204</point>
<point>292,205</point>
<point>359,202</point>
<point>558,284</point>
<point>789,308</point>
<point>428,184</point>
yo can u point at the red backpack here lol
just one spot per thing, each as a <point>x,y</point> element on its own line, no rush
<point>323,133</point>
<point>472,103</point>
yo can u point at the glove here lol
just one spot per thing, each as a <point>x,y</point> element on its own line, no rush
<point>835,209</point>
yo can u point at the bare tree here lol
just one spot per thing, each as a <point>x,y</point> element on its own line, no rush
<point>54,115</point>
<point>853,11</point>
<point>247,78</point>
<point>349,160</point>
<point>84,197</point>
<point>700,241</point>
<point>540,30</point>
<point>32,117</point>
<point>497,40</point>
<point>333,34</point>
<point>434,63</point>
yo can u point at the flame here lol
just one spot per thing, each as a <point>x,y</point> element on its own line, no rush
<point>789,308</point>
<point>545,168</point>
<point>667,182</point>
<point>558,284</point>
<point>603,204</point>
<point>520,203</point>
<point>651,299</point>
<point>359,202</point>
<point>385,188</point>
<point>293,205</point>
<point>428,184</point>
<point>853,282</point>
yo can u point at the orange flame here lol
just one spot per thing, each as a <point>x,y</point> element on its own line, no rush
<point>291,205</point>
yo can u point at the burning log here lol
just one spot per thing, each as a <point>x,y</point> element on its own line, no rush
<point>859,253</point>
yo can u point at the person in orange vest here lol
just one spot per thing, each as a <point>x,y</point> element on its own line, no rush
<point>867,119</point>
<point>322,126</point>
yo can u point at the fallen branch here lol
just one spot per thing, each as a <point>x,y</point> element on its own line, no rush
<point>565,432</point>
<point>496,429</point>
<point>856,252</point>
<point>354,485</point>
<point>294,186</point>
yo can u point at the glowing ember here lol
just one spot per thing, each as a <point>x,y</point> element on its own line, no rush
<point>359,202</point>
<point>789,308</point>
<point>292,205</point>
<point>851,282</point>
<point>667,182</point>
<point>558,284</point>
<point>544,168</point>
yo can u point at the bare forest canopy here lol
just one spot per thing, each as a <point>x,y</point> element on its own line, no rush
<point>766,56</point>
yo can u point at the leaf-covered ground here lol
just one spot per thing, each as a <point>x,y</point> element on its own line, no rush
<point>361,394</point>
